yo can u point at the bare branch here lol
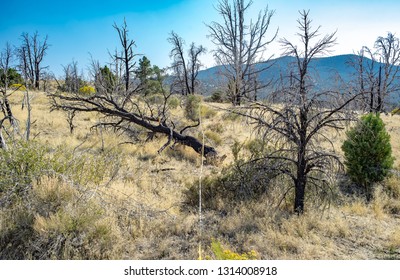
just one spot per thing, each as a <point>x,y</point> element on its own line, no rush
<point>302,117</point>
<point>239,45</point>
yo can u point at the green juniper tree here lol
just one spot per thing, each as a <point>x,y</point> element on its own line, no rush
<point>368,152</point>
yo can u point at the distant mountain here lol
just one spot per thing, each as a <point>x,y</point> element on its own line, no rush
<point>328,72</point>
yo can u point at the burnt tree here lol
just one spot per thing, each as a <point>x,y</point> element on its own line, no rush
<point>179,66</point>
<point>239,46</point>
<point>300,121</point>
<point>185,69</point>
<point>378,73</point>
<point>194,65</point>
<point>388,51</point>
<point>128,109</point>
<point>126,56</point>
<point>31,54</point>
<point>6,57</point>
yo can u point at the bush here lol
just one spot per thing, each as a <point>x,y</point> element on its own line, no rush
<point>256,147</point>
<point>174,102</point>
<point>192,107</point>
<point>18,168</point>
<point>224,254</point>
<point>56,220</point>
<point>368,153</point>
<point>49,208</point>
<point>18,87</point>
<point>87,90</point>
<point>217,96</point>
<point>105,80</point>
<point>12,76</point>
<point>242,181</point>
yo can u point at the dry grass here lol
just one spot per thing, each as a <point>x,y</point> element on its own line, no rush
<point>139,214</point>
<point>394,240</point>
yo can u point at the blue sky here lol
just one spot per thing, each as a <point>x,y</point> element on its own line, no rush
<point>81,29</point>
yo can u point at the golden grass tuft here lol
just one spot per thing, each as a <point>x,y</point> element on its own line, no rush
<point>394,240</point>
<point>392,186</point>
<point>357,207</point>
<point>183,153</point>
<point>212,138</point>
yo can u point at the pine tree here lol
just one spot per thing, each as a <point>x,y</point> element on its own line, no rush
<point>368,152</point>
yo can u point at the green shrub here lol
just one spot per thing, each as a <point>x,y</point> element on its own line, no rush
<point>49,207</point>
<point>56,220</point>
<point>13,77</point>
<point>368,153</point>
<point>105,80</point>
<point>192,107</point>
<point>174,102</point>
<point>217,96</point>
<point>19,166</point>
<point>84,168</point>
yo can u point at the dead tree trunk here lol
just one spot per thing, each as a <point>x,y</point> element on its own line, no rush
<point>127,110</point>
<point>302,120</point>
<point>300,179</point>
<point>179,63</point>
<point>300,190</point>
<point>127,56</point>
<point>121,119</point>
<point>8,110</point>
<point>3,144</point>
<point>31,54</point>
<point>379,91</point>
<point>239,45</point>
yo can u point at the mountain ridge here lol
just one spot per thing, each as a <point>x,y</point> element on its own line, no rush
<point>327,71</point>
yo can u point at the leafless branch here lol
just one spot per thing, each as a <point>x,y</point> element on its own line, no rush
<point>239,45</point>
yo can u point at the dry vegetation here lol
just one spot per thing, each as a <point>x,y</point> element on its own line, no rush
<point>108,199</point>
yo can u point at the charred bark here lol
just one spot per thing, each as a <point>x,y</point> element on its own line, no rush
<point>300,187</point>
<point>9,113</point>
<point>380,101</point>
<point>303,119</point>
<point>127,55</point>
<point>120,116</point>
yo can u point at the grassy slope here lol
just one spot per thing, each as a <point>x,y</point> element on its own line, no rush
<point>143,203</point>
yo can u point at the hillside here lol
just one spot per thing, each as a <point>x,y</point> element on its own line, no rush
<point>329,72</point>
<point>96,196</point>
